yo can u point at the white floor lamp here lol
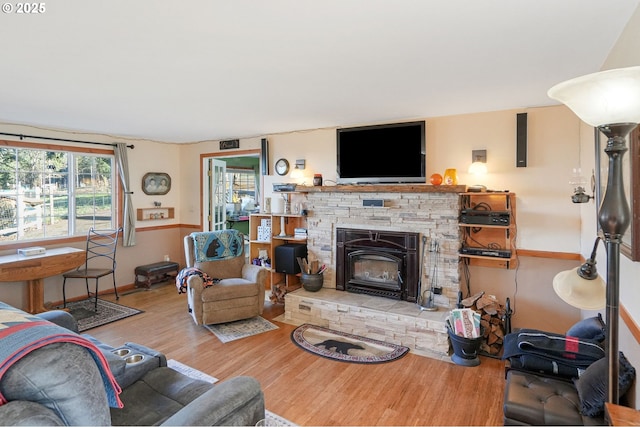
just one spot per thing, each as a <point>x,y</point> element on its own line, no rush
<point>610,101</point>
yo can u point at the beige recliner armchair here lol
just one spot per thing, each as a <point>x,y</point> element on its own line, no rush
<point>238,292</point>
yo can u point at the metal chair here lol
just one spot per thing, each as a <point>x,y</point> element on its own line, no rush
<point>100,262</point>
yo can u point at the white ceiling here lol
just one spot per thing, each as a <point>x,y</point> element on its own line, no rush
<point>184,71</point>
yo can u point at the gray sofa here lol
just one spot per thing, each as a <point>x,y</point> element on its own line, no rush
<point>61,384</point>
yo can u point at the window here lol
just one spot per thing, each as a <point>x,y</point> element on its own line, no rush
<point>47,193</point>
<point>241,184</point>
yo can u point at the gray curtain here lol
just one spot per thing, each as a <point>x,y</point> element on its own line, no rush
<point>128,217</point>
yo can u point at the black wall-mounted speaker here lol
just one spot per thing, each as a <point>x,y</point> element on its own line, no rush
<point>264,156</point>
<point>521,140</point>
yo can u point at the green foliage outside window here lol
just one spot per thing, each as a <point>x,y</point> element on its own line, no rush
<point>47,193</point>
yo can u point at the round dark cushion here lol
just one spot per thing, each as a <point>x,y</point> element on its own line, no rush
<point>593,383</point>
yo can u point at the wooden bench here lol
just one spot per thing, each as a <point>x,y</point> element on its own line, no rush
<point>156,273</point>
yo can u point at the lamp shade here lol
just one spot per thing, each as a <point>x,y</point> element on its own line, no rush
<point>603,98</point>
<point>478,168</point>
<point>578,292</point>
<point>296,174</point>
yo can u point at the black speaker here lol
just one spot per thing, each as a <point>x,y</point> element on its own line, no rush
<point>285,257</point>
<point>264,156</point>
<point>521,140</point>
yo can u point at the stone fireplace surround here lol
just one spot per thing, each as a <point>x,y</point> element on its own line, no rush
<point>429,210</point>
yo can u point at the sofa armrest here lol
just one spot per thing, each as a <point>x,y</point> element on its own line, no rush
<point>125,373</point>
<point>254,273</point>
<point>237,401</point>
<point>46,376</point>
<point>196,283</point>
<point>27,413</point>
<point>60,318</point>
<point>162,359</point>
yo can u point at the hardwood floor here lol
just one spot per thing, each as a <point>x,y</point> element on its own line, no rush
<point>310,390</point>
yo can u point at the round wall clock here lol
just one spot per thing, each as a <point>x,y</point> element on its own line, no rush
<point>282,167</point>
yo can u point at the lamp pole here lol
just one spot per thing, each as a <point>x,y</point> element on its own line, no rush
<point>614,221</point>
<point>610,101</point>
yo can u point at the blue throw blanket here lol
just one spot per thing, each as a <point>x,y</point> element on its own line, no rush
<point>217,245</point>
<point>551,353</point>
<point>21,333</point>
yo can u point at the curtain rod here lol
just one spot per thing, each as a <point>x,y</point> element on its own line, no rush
<point>21,136</point>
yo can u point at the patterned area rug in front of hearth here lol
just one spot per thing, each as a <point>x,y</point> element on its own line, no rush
<point>345,347</point>
<point>241,328</point>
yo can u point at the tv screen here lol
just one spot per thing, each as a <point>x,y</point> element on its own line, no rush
<point>390,153</point>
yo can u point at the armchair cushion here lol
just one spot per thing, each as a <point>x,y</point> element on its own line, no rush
<point>592,328</point>
<point>592,385</point>
<point>228,289</point>
<point>223,269</point>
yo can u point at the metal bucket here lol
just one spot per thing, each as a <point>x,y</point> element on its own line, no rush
<point>465,350</point>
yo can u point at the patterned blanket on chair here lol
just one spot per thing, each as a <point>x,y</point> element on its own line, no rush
<point>217,245</point>
<point>21,333</point>
<point>185,273</point>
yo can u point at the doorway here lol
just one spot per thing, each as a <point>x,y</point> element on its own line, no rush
<point>231,190</point>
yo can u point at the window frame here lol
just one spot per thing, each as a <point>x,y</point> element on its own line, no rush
<point>116,190</point>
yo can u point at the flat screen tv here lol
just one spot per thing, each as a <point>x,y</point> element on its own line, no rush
<point>389,153</point>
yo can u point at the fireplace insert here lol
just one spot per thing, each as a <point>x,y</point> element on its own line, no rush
<point>380,263</point>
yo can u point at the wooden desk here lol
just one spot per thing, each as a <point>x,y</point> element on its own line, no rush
<point>33,269</point>
<point>617,415</point>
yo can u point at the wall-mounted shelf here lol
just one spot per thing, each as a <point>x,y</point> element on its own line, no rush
<point>491,231</point>
<point>152,214</point>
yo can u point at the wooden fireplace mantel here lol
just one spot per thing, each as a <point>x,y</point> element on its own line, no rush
<point>382,188</point>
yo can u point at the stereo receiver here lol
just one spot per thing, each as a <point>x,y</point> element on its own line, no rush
<point>482,217</point>
<point>496,253</point>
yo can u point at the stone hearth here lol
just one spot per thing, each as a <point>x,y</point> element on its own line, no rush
<point>384,319</point>
<point>431,211</point>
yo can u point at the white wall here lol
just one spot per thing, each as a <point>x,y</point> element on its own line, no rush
<point>148,156</point>
<point>547,220</point>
